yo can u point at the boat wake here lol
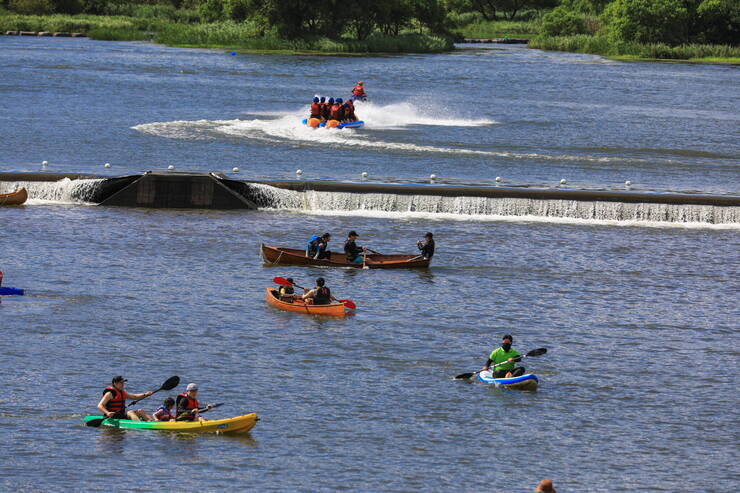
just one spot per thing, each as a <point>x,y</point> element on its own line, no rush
<point>287,129</point>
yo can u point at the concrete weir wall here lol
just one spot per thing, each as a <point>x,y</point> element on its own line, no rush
<point>175,190</point>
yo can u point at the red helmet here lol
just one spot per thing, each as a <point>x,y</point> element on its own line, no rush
<point>359,83</point>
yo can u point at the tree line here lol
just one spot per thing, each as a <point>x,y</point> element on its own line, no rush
<point>644,21</point>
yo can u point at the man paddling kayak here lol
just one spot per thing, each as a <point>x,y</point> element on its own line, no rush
<point>113,402</point>
<point>507,355</point>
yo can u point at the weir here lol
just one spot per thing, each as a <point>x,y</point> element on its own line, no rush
<point>215,191</point>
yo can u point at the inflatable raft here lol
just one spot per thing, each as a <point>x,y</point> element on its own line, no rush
<point>316,123</point>
<point>528,381</point>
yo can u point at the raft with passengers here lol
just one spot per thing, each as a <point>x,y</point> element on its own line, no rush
<point>335,112</point>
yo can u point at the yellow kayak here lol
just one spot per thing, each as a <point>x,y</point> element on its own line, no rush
<point>239,424</point>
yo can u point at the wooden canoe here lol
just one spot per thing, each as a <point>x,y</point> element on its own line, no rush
<point>331,310</point>
<point>14,198</point>
<point>289,256</point>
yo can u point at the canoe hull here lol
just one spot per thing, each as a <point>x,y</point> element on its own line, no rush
<point>239,424</point>
<point>528,381</point>
<point>288,256</point>
<point>331,310</point>
<point>18,197</point>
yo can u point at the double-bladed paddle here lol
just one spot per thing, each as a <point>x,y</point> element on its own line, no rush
<point>534,352</point>
<point>169,384</point>
<point>192,411</point>
<point>284,282</point>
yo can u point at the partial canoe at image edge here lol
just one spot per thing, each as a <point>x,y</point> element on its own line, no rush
<point>290,256</point>
<point>18,197</point>
<point>238,424</point>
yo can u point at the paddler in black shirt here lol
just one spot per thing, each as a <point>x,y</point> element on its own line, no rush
<point>426,246</point>
<point>353,252</point>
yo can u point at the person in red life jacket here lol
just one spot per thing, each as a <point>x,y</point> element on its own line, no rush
<point>359,91</point>
<point>113,402</point>
<point>187,405</point>
<point>315,109</point>
<point>327,108</point>
<point>164,412</point>
<point>337,110</point>
<point>322,108</point>
<point>349,111</point>
<point>320,295</point>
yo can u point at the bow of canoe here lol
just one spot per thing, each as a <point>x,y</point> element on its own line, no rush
<point>238,424</point>
<point>290,256</point>
<point>331,310</point>
<point>14,198</point>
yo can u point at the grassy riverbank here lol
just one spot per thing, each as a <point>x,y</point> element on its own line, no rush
<point>481,29</point>
<point>631,51</point>
<point>224,35</point>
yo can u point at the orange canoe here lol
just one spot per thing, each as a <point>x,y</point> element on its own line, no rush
<point>289,256</point>
<point>331,310</point>
<point>14,198</point>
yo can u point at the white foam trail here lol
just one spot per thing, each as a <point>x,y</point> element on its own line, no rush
<point>288,128</point>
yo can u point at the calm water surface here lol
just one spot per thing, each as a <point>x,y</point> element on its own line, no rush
<point>639,387</point>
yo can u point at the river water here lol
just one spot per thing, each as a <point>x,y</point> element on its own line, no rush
<point>639,386</point>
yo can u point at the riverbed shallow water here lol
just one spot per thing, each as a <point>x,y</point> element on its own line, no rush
<point>637,390</point>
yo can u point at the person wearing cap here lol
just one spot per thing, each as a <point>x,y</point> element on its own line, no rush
<point>287,293</point>
<point>113,402</point>
<point>187,404</point>
<point>426,246</point>
<point>316,247</point>
<point>353,252</point>
<point>545,486</point>
<point>315,109</point>
<point>320,295</point>
<point>506,355</point>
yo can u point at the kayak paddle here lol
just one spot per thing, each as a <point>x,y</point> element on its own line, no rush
<point>213,406</point>
<point>169,384</point>
<point>534,352</point>
<point>284,282</point>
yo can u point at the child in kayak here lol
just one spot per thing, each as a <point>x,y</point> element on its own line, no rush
<point>164,412</point>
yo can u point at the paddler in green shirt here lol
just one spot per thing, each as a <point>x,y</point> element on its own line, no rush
<point>504,354</point>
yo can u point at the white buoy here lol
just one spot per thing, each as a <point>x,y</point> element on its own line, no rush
<point>106,165</point>
<point>364,174</point>
<point>235,169</point>
<point>432,176</point>
<point>44,164</point>
<point>170,167</point>
<point>627,183</point>
<point>563,182</point>
<point>498,179</point>
<point>299,172</point>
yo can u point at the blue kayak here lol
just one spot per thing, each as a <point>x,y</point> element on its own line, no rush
<point>10,291</point>
<point>528,381</point>
<point>340,126</point>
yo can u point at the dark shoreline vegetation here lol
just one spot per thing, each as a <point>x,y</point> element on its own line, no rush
<point>692,30</point>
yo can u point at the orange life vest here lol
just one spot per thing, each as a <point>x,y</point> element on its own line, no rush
<point>316,110</point>
<point>337,112</point>
<point>190,403</point>
<point>358,90</point>
<point>117,401</point>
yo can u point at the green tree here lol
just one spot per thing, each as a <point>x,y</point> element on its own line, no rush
<point>648,21</point>
<point>720,21</point>
<point>212,10</point>
<point>31,7</point>
<point>562,21</point>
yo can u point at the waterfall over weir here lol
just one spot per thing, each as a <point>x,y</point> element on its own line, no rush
<point>64,191</point>
<point>493,208</point>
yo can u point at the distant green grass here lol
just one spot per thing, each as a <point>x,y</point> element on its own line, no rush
<point>480,29</point>
<point>600,45</point>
